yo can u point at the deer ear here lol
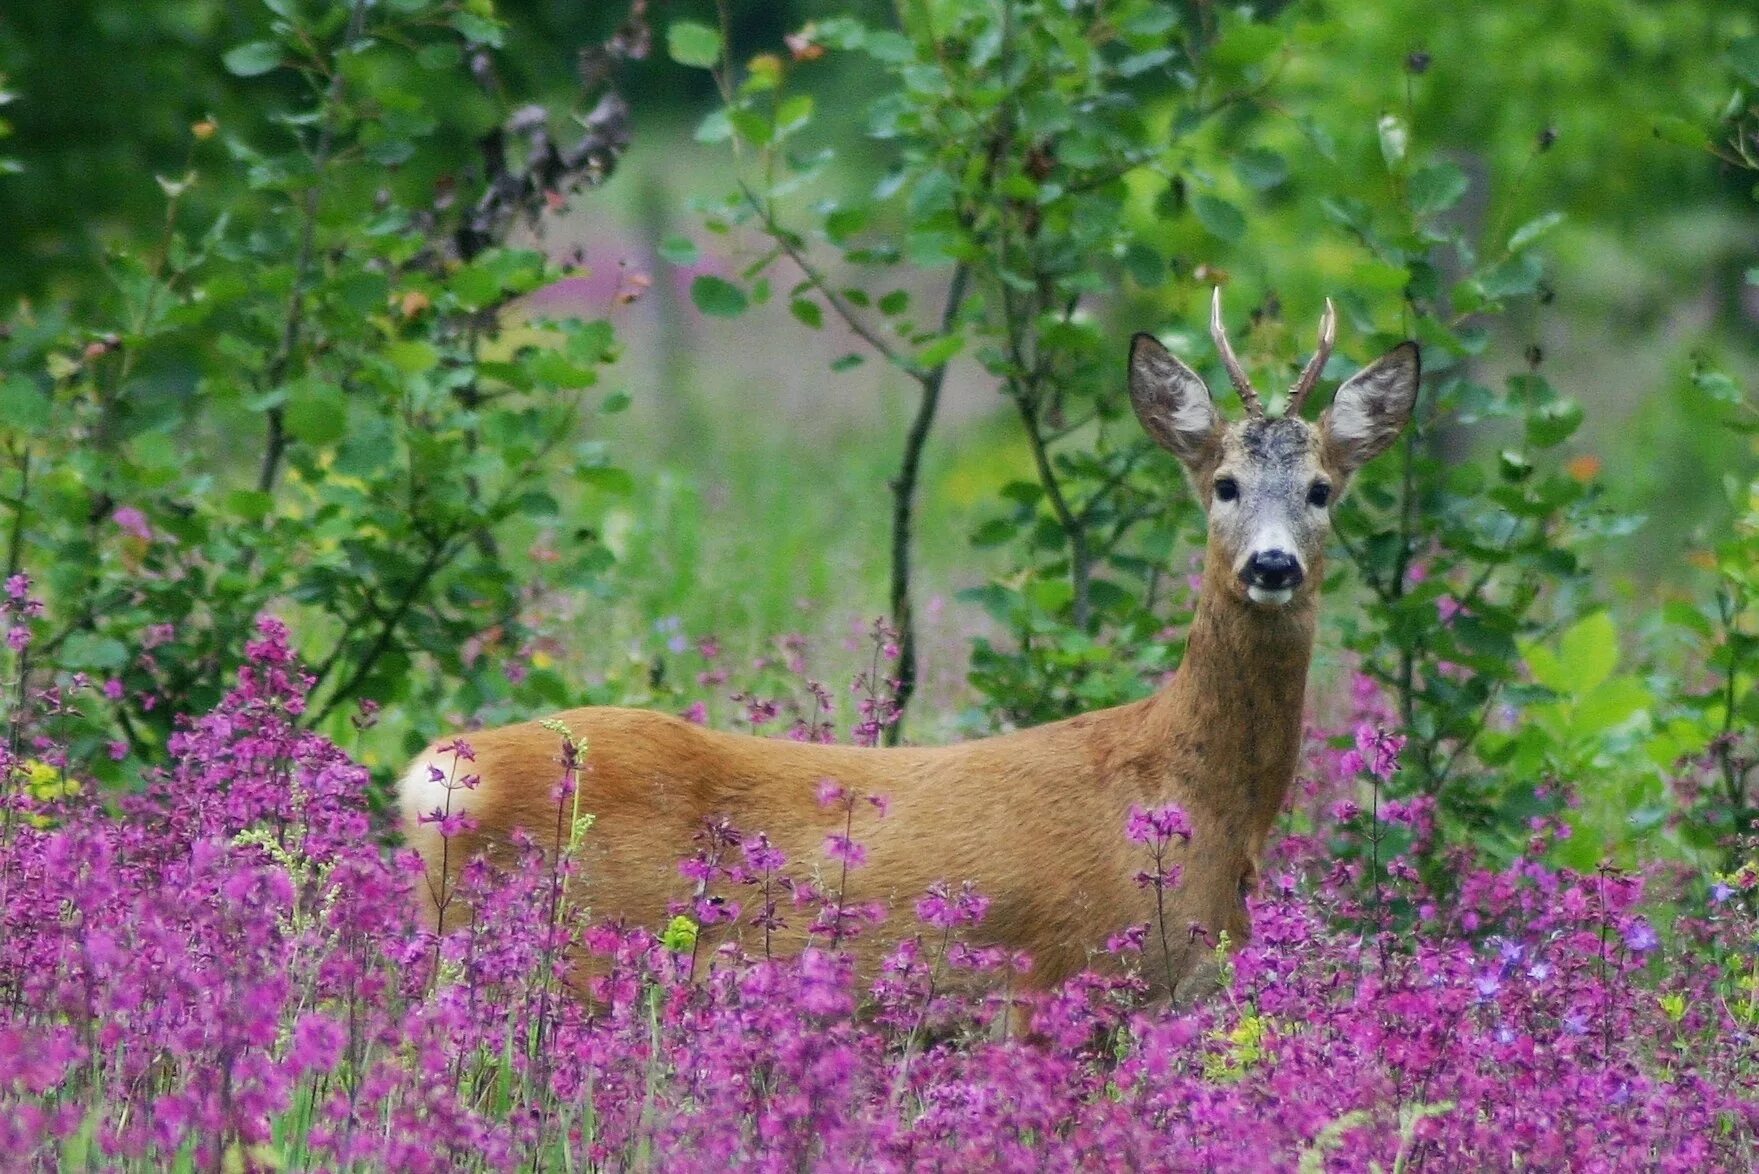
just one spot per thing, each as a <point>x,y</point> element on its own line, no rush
<point>1371,409</point>
<point>1173,403</point>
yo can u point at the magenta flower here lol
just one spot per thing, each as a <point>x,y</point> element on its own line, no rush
<point>1640,936</point>
<point>845,850</point>
<point>317,1043</point>
<point>761,855</point>
<point>1150,825</point>
<point>1376,752</point>
<point>943,908</point>
<point>130,520</point>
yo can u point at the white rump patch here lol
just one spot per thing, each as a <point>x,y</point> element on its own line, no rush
<point>1278,597</point>
<point>420,793</point>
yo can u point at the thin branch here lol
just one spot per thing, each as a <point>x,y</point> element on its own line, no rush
<point>438,556</point>
<point>275,444</point>
<point>1131,460</point>
<point>839,305</point>
<point>904,507</point>
<point>369,609</point>
<point>1073,529</point>
<point>15,540</point>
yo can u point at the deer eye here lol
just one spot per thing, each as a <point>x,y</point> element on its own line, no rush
<point>1226,489</point>
<point>1319,494</point>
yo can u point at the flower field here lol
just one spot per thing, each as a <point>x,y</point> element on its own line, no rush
<point>224,972</point>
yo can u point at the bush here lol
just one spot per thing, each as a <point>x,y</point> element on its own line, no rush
<point>320,396</point>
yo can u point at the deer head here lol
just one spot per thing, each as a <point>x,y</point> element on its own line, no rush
<point>1267,483</point>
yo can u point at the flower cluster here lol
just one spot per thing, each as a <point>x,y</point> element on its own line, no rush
<point>225,970</point>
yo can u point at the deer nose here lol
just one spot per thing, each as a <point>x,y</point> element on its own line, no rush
<point>1272,570</point>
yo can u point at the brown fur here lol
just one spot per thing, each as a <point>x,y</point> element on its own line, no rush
<point>1034,818</point>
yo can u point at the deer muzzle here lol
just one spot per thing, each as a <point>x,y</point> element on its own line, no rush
<point>1271,576</point>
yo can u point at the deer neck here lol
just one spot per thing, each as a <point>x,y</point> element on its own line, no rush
<point>1231,718</point>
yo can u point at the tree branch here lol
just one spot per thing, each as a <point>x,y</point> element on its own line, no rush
<point>275,444</point>
<point>839,305</point>
<point>904,506</point>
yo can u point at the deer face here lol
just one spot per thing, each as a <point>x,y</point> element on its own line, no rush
<point>1269,485</point>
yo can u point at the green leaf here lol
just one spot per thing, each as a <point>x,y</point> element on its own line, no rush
<point>608,478</point>
<point>441,55</point>
<point>678,250</point>
<point>1138,63</point>
<point>845,222</point>
<point>412,356</point>
<point>1683,615</point>
<point>1554,423</point>
<point>940,351</point>
<point>1219,217</point>
<point>691,43</point>
<point>994,532</point>
<point>1546,668</point>
<point>249,504</point>
<point>479,30</point>
<point>841,32</point>
<point>1436,188</point>
<point>807,312</point>
<point>1260,169</point>
<point>1533,230</point>
<point>793,113</point>
<point>1719,387</point>
<point>475,286</point>
<point>1671,128</point>
<point>1514,277</point>
<point>1246,43</point>
<point>537,504</point>
<point>1611,703</point>
<point>1743,55</point>
<point>552,369</point>
<point>24,407</point>
<point>317,413</point>
<point>1144,265</point>
<point>718,297</point>
<point>252,58</point>
<point>1589,650</point>
<point>715,127</point>
<point>88,650</point>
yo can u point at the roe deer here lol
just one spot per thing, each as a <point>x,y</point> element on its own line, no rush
<point>1036,818</point>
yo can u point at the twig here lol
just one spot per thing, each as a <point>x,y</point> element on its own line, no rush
<point>275,444</point>
<point>839,305</point>
<point>904,507</point>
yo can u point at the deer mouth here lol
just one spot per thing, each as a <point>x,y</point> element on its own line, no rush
<point>1270,596</point>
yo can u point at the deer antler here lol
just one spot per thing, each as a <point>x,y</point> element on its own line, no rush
<point>1328,334</point>
<point>1219,333</point>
